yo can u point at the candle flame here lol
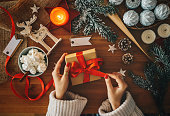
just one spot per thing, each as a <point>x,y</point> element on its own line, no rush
<point>60,17</point>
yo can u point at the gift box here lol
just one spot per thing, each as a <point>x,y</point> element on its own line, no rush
<point>84,66</point>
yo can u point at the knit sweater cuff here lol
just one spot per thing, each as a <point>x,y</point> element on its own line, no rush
<point>126,109</point>
<point>73,106</point>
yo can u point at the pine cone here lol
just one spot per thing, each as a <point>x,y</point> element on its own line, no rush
<point>127,58</point>
<point>124,44</point>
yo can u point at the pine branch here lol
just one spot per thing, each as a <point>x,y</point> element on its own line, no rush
<point>160,55</point>
<point>138,80</point>
<point>89,20</point>
<point>146,84</point>
<point>98,26</point>
<point>109,9</point>
<point>158,74</point>
<point>82,5</point>
<point>78,24</point>
<point>149,71</point>
<point>167,46</point>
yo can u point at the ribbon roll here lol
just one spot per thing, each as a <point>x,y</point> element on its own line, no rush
<point>148,36</point>
<point>164,30</point>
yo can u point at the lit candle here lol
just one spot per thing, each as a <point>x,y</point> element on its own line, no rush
<point>59,16</point>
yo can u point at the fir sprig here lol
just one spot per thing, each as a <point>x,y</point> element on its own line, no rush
<point>109,9</point>
<point>90,21</point>
<point>157,74</point>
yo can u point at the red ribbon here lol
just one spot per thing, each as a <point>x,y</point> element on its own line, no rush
<point>20,75</point>
<point>89,67</point>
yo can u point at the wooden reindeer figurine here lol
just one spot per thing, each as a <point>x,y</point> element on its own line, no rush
<point>37,35</point>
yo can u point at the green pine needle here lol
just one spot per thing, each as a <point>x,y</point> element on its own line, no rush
<point>89,20</point>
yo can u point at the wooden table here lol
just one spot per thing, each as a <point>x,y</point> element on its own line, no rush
<point>95,92</point>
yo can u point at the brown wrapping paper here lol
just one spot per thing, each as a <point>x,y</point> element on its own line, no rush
<point>88,55</point>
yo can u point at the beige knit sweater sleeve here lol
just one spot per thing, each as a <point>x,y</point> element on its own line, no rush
<point>75,104</point>
<point>72,106</point>
<point>127,108</point>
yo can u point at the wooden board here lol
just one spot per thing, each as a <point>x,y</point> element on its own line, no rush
<point>94,91</point>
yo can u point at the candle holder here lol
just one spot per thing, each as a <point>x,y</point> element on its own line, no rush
<point>63,8</point>
<point>59,16</point>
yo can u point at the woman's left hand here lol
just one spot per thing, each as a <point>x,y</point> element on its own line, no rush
<point>115,93</point>
<point>61,81</point>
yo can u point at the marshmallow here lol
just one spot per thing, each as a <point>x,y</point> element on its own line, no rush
<point>25,67</point>
<point>41,67</point>
<point>22,59</point>
<point>33,70</point>
<point>34,61</point>
<point>32,51</point>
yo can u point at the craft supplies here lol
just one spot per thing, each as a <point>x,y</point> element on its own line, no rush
<point>33,60</point>
<point>131,18</point>
<point>124,44</point>
<point>112,48</point>
<point>162,11</point>
<point>20,75</point>
<point>164,30</point>
<point>115,18</point>
<point>132,4</point>
<point>148,4</point>
<point>59,16</point>
<point>44,86</point>
<point>147,18</point>
<point>127,58</point>
<point>148,36</point>
<point>97,24</point>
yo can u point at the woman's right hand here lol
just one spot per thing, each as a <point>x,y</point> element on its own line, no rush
<point>115,93</point>
<point>61,81</point>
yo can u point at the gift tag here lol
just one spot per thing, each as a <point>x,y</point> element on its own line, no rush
<point>80,41</point>
<point>12,46</point>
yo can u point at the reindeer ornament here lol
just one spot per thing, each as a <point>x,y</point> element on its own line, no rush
<point>37,35</point>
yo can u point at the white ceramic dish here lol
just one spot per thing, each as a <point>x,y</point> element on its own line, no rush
<point>25,52</point>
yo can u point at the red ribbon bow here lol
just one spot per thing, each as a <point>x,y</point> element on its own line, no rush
<point>88,67</point>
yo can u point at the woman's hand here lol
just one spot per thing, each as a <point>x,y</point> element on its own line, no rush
<point>115,93</point>
<point>61,81</point>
